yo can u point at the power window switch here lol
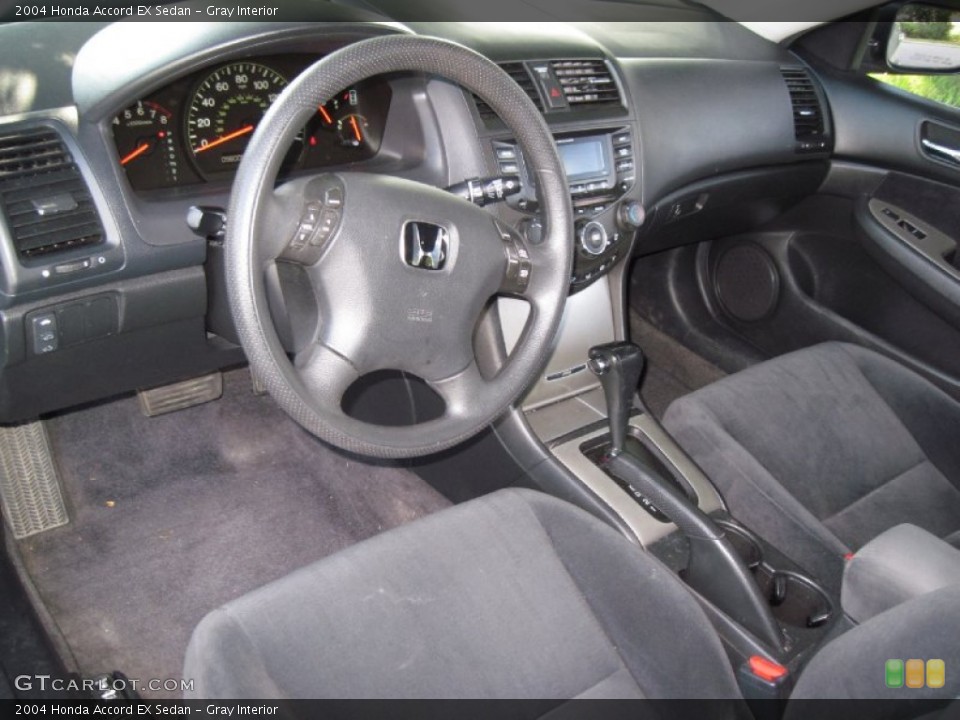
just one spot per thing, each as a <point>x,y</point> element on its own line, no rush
<point>46,336</point>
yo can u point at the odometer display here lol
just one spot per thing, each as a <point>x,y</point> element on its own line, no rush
<point>225,109</point>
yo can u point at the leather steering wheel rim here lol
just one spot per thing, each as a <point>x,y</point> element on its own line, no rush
<point>260,217</point>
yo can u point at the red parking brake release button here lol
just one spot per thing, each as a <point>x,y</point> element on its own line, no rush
<point>766,669</point>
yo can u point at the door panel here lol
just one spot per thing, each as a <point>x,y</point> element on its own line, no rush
<point>872,258</point>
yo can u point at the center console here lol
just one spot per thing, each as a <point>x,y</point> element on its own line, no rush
<point>614,457</point>
<point>601,171</point>
<point>762,604</point>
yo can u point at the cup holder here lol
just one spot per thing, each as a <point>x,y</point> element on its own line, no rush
<point>743,542</point>
<point>794,599</point>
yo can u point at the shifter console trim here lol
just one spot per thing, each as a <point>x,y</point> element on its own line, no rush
<point>644,526</point>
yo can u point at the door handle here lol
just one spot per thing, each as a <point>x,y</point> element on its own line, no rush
<point>949,154</point>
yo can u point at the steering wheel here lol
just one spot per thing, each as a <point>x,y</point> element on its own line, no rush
<point>388,273</point>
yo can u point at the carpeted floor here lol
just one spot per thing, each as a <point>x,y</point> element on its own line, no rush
<point>173,516</point>
<point>672,369</point>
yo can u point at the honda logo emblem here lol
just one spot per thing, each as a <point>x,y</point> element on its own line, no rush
<point>425,246</point>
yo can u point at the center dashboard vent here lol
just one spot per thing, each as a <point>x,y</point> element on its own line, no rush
<point>561,85</point>
<point>810,126</point>
<point>44,199</point>
<point>586,82</point>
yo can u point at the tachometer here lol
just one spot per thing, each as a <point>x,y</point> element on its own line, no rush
<point>225,110</point>
<point>144,135</point>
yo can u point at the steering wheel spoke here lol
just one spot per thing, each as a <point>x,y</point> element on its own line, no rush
<point>460,391</point>
<point>278,219</point>
<point>325,373</point>
<point>300,219</point>
<point>519,266</point>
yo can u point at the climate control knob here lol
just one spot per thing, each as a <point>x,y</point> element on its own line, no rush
<point>630,215</point>
<point>593,238</point>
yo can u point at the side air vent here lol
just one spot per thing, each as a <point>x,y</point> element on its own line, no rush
<point>521,77</point>
<point>44,199</point>
<point>808,115</point>
<point>586,82</point>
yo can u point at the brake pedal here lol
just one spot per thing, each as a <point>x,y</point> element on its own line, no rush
<point>29,485</point>
<point>181,395</point>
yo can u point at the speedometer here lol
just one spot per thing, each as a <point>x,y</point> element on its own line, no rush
<point>225,110</point>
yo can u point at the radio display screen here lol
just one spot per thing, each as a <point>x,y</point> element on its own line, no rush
<point>585,158</point>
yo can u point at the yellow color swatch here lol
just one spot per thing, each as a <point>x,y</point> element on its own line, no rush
<point>936,674</point>
<point>914,673</point>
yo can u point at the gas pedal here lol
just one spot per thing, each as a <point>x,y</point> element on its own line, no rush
<point>181,395</point>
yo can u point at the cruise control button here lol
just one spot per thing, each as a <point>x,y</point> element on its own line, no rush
<point>334,198</point>
<point>328,224</point>
<point>300,238</point>
<point>310,215</point>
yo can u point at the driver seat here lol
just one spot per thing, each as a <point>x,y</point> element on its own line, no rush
<point>516,595</point>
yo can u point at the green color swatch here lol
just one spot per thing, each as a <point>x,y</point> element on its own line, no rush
<point>894,673</point>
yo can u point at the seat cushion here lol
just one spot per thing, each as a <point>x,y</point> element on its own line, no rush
<point>821,450</point>
<point>514,595</point>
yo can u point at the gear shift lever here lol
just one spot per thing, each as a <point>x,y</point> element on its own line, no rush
<point>714,569</point>
<point>619,366</point>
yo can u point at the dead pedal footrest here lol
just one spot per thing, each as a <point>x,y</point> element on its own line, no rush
<point>29,485</point>
<point>181,395</point>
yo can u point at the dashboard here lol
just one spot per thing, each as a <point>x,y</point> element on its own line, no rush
<point>650,117</point>
<point>196,128</point>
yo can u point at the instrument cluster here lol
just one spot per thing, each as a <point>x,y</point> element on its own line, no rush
<point>196,129</point>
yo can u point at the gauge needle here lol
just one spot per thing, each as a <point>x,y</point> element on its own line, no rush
<point>140,150</point>
<point>325,115</point>
<point>225,138</point>
<point>356,128</point>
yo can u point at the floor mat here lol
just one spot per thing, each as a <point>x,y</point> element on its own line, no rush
<point>672,369</point>
<point>173,516</point>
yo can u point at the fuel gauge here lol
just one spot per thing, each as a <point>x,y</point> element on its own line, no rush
<point>352,130</point>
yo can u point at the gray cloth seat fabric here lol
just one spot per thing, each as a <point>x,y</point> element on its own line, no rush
<point>519,596</point>
<point>514,595</point>
<point>821,450</point>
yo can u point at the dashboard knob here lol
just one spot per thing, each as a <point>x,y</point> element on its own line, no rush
<point>593,238</point>
<point>630,215</point>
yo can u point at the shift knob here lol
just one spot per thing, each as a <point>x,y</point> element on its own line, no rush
<point>619,366</point>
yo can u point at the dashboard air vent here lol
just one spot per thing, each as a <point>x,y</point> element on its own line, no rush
<point>808,116</point>
<point>521,77</point>
<point>586,82</point>
<point>43,197</point>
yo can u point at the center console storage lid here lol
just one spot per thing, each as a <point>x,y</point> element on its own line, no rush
<point>898,565</point>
